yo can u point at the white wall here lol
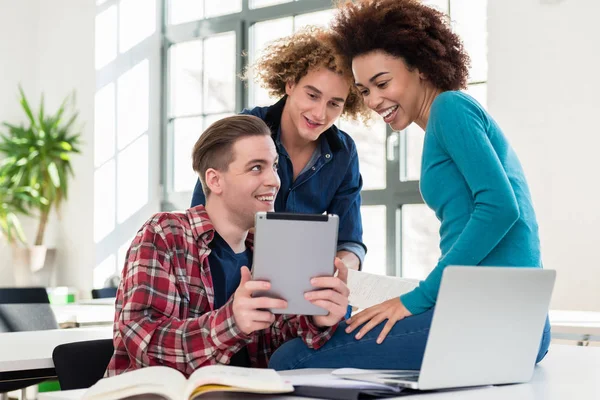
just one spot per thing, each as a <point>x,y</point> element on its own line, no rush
<point>49,48</point>
<point>65,56</point>
<point>543,90</point>
<point>18,43</point>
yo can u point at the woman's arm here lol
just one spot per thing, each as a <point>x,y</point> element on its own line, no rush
<point>459,126</point>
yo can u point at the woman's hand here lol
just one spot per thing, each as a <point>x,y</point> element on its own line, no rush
<point>393,310</point>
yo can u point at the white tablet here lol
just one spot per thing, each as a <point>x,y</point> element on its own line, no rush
<point>289,250</point>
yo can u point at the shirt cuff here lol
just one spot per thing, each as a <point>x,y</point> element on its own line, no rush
<point>415,301</point>
<point>353,247</point>
<point>226,334</point>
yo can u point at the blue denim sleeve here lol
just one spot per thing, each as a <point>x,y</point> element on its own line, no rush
<point>358,250</point>
<point>198,195</point>
<point>346,204</point>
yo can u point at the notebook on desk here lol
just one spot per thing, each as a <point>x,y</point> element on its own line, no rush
<point>168,383</point>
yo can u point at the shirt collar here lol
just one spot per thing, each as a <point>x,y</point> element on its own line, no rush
<point>273,120</point>
<point>203,231</point>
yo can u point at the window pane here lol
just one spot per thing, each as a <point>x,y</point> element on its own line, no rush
<point>209,119</point>
<point>222,7</point>
<point>181,11</point>
<point>420,241</point>
<point>265,3</point>
<point>104,270</point>
<point>132,179</point>
<point>440,5</point>
<point>370,144</point>
<point>104,124</point>
<point>374,231</point>
<point>186,78</point>
<point>219,73</point>
<point>479,92</point>
<point>470,23</point>
<point>104,200</point>
<point>186,132</point>
<point>122,253</point>
<point>137,21</point>
<point>262,33</point>
<point>133,102</point>
<point>106,36</point>
<point>412,140</point>
<point>319,18</point>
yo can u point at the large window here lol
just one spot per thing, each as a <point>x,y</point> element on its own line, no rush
<point>126,127</point>
<point>203,57</point>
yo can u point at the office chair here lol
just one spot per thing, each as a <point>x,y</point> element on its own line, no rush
<point>75,371</point>
<point>24,309</point>
<point>104,293</point>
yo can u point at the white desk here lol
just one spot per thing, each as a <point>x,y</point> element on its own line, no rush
<point>84,314</point>
<point>567,372</point>
<point>29,354</point>
<point>583,326</point>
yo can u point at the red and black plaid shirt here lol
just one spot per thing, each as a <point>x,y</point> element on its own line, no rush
<point>165,304</point>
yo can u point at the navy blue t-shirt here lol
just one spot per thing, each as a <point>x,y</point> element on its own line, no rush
<point>225,267</point>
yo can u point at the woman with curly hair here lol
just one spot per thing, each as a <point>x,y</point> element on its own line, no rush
<point>409,68</point>
<point>318,163</point>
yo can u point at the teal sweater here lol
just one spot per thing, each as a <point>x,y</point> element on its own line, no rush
<point>473,180</point>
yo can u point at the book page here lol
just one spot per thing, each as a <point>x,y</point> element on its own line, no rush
<point>367,290</point>
<point>251,380</point>
<point>164,381</point>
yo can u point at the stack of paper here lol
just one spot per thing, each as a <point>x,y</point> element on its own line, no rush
<point>367,290</point>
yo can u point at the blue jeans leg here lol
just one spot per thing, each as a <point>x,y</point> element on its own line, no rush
<point>403,348</point>
<point>545,344</point>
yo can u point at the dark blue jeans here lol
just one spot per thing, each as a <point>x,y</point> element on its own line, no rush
<point>403,348</point>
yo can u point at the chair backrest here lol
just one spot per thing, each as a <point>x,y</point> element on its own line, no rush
<point>24,295</point>
<point>79,365</point>
<point>25,309</point>
<point>104,293</point>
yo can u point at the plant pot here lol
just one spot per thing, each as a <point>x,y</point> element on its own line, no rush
<point>34,266</point>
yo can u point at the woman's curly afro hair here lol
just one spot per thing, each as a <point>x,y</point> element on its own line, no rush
<point>407,29</point>
<point>290,58</point>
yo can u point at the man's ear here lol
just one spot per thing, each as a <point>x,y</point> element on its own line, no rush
<point>214,180</point>
<point>288,87</point>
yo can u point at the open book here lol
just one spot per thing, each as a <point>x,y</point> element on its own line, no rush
<point>170,384</point>
<point>367,290</point>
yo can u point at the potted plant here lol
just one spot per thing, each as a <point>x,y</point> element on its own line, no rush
<point>36,169</point>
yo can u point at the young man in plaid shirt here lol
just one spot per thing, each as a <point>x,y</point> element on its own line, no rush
<point>185,299</point>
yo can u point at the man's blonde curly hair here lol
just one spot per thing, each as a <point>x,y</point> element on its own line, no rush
<point>290,58</point>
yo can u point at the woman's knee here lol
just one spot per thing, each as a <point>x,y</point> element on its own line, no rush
<point>285,357</point>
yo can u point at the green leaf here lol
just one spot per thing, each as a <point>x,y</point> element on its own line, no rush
<point>25,106</point>
<point>17,228</point>
<point>41,113</point>
<point>66,146</point>
<point>54,176</point>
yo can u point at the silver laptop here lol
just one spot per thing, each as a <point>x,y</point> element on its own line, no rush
<point>486,329</point>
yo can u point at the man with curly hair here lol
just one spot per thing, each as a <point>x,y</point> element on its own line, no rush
<point>318,163</point>
<point>409,68</point>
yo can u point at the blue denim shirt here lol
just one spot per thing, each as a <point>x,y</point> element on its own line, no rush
<point>332,184</point>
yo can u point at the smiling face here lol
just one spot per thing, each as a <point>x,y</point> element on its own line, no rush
<point>250,183</point>
<point>390,88</point>
<point>314,103</point>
